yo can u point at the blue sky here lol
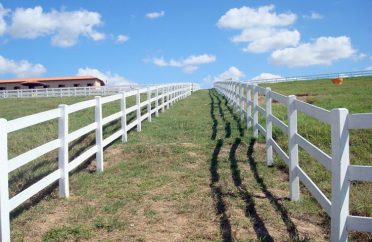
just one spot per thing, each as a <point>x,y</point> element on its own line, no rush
<point>199,41</point>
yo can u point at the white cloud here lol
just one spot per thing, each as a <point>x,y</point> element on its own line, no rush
<point>369,68</point>
<point>232,73</point>
<point>323,51</point>
<point>313,15</point>
<point>65,27</point>
<point>266,76</point>
<point>154,15</point>
<point>262,28</point>
<point>21,68</point>
<point>265,39</point>
<point>122,38</point>
<point>112,79</point>
<point>246,17</point>
<point>189,64</point>
<point>3,25</point>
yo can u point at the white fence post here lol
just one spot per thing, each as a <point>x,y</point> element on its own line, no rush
<point>241,100</point>
<point>269,127</point>
<point>123,107</point>
<point>64,189</point>
<point>168,96</point>
<point>4,184</point>
<point>163,91</point>
<point>255,111</point>
<point>149,104</point>
<point>249,107</point>
<point>157,102</point>
<point>138,102</point>
<point>340,182</point>
<point>99,134</point>
<point>294,181</point>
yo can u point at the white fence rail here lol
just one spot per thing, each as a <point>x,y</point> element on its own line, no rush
<point>338,163</point>
<point>166,94</point>
<point>73,91</point>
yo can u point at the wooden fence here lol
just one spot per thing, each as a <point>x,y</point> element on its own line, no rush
<point>244,97</point>
<point>165,96</point>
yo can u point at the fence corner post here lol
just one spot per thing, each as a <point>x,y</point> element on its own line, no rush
<point>123,107</point>
<point>294,180</point>
<point>269,127</point>
<point>4,183</point>
<point>255,111</point>
<point>63,129</point>
<point>340,182</point>
<point>138,104</point>
<point>99,134</point>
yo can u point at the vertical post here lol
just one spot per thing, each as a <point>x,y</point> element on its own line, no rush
<point>294,181</point>
<point>163,91</point>
<point>249,107</point>
<point>168,97</point>
<point>241,100</point>
<point>340,182</point>
<point>138,104</point>
<point>99,134</point>
<point>157,102</point>
<point>269,127</point>
<point>4,184</point>
<point>149,104</point>
<point>255,111</point>
<point>123,107</point>
<point>64,189</point>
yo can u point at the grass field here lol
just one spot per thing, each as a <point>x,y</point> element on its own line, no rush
<point>193,174</point>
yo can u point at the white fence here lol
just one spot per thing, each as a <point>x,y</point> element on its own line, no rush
<point>165,95</point>
<point>72,91</point>
<point>245,97</point>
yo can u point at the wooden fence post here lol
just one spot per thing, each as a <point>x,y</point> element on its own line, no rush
<point>64,189</point>
<point>294,181</point>
<point>269,127</point>
<point>123,107</point>
<point>138,102</point>
<point>149,104</point>
<point>255,111</point>
<point>168,96</point>
<point>249,107</point>
<point>241,100</point>
<point>4,184</point>
<point>157,102</point>
<point>99,134</point>
<point>340,182</point>
<point>163,91</point>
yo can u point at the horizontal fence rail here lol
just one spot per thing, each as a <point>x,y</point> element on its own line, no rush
<point>74,91</point>
<point>244,97</point>
<point>164,97</point>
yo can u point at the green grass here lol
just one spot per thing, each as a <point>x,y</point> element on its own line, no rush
<point>191,175</point>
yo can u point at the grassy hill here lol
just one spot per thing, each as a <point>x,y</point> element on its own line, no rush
<point>193,174</point>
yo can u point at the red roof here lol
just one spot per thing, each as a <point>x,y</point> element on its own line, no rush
<point>47,79</point>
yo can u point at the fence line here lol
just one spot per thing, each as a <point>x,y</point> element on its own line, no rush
<point>340,120</point>
<point>168,94</point>
<point>74,91</point>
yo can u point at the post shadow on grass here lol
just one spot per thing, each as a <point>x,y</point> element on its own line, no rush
<point>290,226</point>
<point>250,209</point>
<point>235,117</point>
<point>219,204</point>
<point>222,114</point>
<point>213,116</point>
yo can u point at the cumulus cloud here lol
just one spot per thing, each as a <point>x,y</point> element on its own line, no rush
<point>233,73</point>
<point>265,76</point>
<point>313,15</point>
<point>3,13</point>
<point>122,38</point>
<point>189,64</point>
<point>21,68</point>
<point>322,51</point>
<point>65,27</point>
<point>261,28</point>
<point>112,79</point>
<point>154,15</point>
